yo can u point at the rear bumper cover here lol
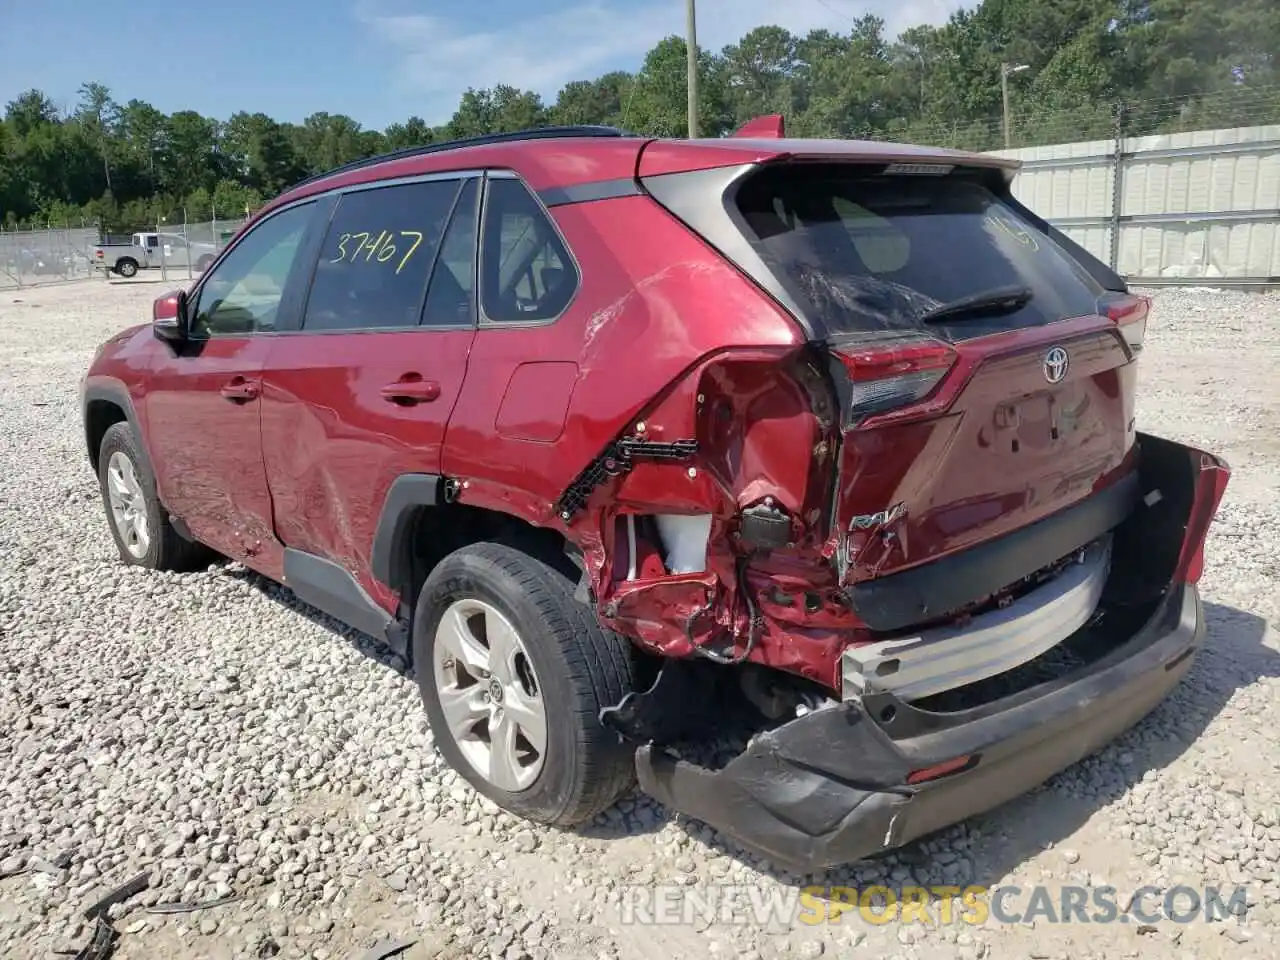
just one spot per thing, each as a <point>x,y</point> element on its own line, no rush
<point>901,599</point>
<point>831,787</point>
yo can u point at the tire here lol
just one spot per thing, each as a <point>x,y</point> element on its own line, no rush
<point>577,668</point>
<point>203,263</point>
<point>127,267</point>
<point>164,548</point>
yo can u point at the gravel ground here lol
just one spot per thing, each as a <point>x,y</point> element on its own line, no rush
<point>211,730</point>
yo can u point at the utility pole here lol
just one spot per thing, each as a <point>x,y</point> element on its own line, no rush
<point>1005,71</point>
<point>691,47</point>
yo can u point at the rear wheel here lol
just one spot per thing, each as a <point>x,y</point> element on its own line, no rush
<point>126,267</point>
<point>203,263</point>
<point>139,522</point>
<point>513,673</point>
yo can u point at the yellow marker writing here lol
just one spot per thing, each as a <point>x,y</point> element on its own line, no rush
<point>380,247</point>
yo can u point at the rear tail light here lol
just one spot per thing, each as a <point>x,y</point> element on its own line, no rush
<point>939,770</point>
<point>886,376</point>
<point>1129,313</point>
<point>98,254</point>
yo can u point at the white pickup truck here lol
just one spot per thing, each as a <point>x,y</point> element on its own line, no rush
<point>146,250</point>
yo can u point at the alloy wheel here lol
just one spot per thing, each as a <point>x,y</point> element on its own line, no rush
<point>128,505</point>
<point>489,695</point>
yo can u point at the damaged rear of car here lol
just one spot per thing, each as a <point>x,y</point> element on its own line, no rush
<point>929,540</point>
<point>616,425</point>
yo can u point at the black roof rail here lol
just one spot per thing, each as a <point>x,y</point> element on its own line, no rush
<point>534,133</point>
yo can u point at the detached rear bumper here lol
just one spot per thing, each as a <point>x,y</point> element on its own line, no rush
<point>832,787</point>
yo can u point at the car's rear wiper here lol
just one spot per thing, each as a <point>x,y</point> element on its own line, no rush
<point>987,302</point>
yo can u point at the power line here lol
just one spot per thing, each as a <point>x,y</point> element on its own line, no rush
<point>840,13</point>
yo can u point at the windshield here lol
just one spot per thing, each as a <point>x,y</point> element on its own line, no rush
<point>868,253</point>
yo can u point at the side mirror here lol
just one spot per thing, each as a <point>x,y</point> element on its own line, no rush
<point>169,316</point>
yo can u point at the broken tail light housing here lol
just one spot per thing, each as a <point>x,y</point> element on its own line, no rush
<point>1129,314</point>
<point>1210,487</point>
<point>886,376</point>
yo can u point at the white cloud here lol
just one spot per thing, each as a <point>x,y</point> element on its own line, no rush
<point>438,59</point>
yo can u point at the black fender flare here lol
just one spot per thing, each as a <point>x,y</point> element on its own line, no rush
<point>407,493</point>
<point>115,393</point>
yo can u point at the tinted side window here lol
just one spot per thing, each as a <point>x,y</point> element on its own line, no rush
<point>243,293</point>
<point>451,296</point>
<point>377,255</point>
<point>527,274</point>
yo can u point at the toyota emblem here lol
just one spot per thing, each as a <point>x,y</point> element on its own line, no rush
<point>1055,365</point>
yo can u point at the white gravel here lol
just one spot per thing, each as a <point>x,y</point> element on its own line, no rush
<point>205,728</point>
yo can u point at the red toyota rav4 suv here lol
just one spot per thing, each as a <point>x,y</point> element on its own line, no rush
<point>584,424</point>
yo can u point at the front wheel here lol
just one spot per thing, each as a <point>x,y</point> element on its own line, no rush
<point>513,672</point>
<point>139,522</point>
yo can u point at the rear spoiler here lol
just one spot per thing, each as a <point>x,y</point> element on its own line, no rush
<point>770,127</point>
<point>773,127</point>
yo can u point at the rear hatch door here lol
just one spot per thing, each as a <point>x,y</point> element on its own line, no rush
<point>984,381</point>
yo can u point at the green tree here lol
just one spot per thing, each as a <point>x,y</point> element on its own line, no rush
<point>660,101</point>
<point>762,73</point>
<point>99,115</point>
<point>29,111</point>
<point>259,152</point>
<point>190,157</point>
<point>503,109</point>
<point>325,141</point>
<point>1173,64</point>
<point>600,101</point>
<point>144,130</point>
<point>413,132</point>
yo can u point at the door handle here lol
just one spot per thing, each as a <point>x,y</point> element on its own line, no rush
<point>239,390</point>
<point>411,389</point>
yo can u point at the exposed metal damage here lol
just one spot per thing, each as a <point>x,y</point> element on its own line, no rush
<point>1124,604</point>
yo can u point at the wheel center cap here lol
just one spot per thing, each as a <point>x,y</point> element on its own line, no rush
<point>495,690</point>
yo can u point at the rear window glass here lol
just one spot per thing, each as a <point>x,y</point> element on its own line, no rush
<point>866,253</point>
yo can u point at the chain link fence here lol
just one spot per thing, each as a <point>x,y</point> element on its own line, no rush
<point>31,257</point>
<point>34,257</point>
<point>184,251</point>
<point>1235,106</point>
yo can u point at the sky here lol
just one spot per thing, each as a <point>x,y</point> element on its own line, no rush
<point>379,61</point>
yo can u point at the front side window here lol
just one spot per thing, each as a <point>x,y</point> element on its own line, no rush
<point>528,275</point>
<point>242,295</point>
<point>378,255</point>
